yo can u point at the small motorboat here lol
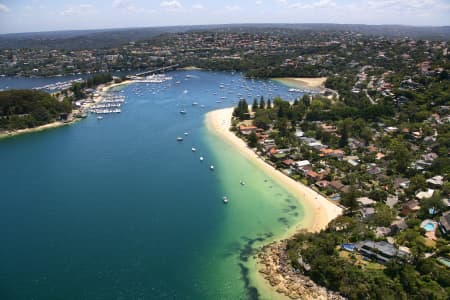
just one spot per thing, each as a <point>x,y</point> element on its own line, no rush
<point>211,167</point>
<point>186,133</point>
<point>179,139</point>
<point>99,117</point>
<point>193,149</point>
<point>201,158</point>
<point>225,199</point>
<point>242,182</point>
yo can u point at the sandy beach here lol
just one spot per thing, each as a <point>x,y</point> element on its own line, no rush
<point>318,210</point>
<point>313,83</point>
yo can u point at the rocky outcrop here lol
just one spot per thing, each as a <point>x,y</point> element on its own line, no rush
<point>275,267</point>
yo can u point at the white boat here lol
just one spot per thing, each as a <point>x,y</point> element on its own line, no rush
<point>194,103</point>
<point>183,112</point>
<point>211,167</point>
<point>242,182</point>
<point>201,158</point>
<point>193,149</point>
<point>179,139</point>
<point>99,117</point>
<point>225,199</point>
<point>186,133</point>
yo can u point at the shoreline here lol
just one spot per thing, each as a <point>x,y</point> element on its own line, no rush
<point>101,89</point>
<point>318,211</point>
<point>303,82</point>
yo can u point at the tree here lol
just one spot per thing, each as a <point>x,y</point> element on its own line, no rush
<point>349,200</point>
<point>383,216</point>
<point>252,141</point>
<point>400,155</point>
<point>262,104</point>
<point>255,105</point>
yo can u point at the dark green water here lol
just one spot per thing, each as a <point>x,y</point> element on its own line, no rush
<point>117,209</point>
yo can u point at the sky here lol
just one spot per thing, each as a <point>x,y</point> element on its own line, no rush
<point>50,15</point>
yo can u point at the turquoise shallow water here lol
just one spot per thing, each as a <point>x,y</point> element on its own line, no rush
<point>117,209</point>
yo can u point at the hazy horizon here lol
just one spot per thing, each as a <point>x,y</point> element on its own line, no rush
<point>23,16</point>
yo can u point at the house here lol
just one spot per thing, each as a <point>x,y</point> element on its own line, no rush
<point>436,181</point>
<point>444,222</point>
<point>302,163</point>
<point>336,185</point>
<point>365,201</point>
<point>246,130</point>
<point>352,160</point>
<point>423,195</point>
<point>401,183</point>
<point>312,176</point>
<point>382,232</point>
<point>332,152</point>
<point>373,171</point>
<point>429,157</point>
<point>288,162</point>
<point>391,201</point>
<point>323,184</point>
<point>410,206</point>
<point>381,252</point>
<point>397,226</point>
<point>367,212</point>
<point>299,133</point>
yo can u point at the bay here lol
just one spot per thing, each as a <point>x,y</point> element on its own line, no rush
<point>118,209</point>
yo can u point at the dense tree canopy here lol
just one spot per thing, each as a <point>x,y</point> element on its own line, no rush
<point>27,108</point>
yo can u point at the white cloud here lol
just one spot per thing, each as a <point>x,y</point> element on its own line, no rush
<point>4,9</point>
<point>79,10</point>
<point>129,6</point>
<point>233,8</point>
<point>121,3</point>
<point>317,4</point>
<point>258,2</point>
<point>171,4</point>
<point>409,5</point>
<point>198,6</point>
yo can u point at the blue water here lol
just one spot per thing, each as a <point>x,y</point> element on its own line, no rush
<point>429,227</point>
<point>118,209</point>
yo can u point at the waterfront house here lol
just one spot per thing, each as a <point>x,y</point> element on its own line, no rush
<point>381,252</point>
<point>365,201</point>
<point>323,184</point>
<point>246,130</point>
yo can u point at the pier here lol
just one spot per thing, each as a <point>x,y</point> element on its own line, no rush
<point>154,71</point>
